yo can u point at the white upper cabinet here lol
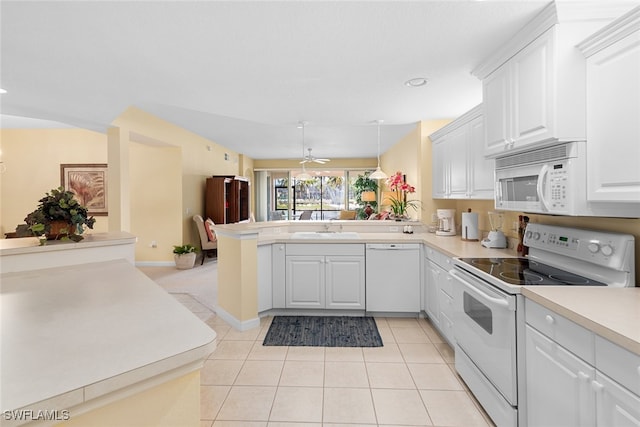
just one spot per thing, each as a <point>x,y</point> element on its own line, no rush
<point>459,168</point>
<point>534,86</point>
<point>613,111</point>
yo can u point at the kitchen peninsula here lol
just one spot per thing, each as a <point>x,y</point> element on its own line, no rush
<point>94,340</point>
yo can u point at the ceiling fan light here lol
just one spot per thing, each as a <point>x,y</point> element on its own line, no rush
<point>303,176</point>
<point>378,174</point>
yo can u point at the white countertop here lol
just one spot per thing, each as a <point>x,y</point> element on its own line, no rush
<point>613,313</point>
<point>71,334</point>
<point>32,244</point>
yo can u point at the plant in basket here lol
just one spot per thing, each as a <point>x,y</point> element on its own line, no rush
<point>59,216</point>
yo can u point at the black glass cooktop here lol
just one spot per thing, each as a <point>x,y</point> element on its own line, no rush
<point>525,272</point>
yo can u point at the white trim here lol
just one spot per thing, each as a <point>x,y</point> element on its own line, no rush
<point>155,264</point>
<point>615,31</point>
<point>236,234</point>
<point>235,323</point>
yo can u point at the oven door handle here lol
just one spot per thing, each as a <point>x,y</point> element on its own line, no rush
<point>493,300</point>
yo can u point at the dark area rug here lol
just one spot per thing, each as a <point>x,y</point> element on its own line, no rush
<point>323,331</point>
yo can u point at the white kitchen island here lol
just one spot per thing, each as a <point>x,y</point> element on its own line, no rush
<point>97,343</point>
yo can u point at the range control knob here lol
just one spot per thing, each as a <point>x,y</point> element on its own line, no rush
<point>607,250</point>
<point>528,234</point>
<point>593,247</point>
<point>536,235</point>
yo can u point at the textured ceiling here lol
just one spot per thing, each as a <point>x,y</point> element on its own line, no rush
<point>243,74</point>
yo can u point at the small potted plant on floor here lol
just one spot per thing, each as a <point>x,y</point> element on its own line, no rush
<point>59,216</point>
<point>184,256</point>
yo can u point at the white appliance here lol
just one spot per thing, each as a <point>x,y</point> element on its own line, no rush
<point>495,238</point>
<point>551,180</point>
<point>393,277</point>
<point>488,306</point>
<point>446,222</point>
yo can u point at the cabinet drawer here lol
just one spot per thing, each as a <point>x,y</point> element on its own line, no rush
<point>568,334</point>
<point>446,303</point>
<point>618,363</point>
<point>325,249</point>
<point>439,258</point>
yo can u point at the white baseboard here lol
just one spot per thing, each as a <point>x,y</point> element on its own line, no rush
<point>237,324</point>
<point>155,264</point>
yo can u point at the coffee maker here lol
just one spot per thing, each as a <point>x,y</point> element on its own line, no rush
<point>446,222</point>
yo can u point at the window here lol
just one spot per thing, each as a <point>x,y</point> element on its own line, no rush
<point>326,193</point>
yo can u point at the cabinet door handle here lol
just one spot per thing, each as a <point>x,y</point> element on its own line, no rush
<point>550,320</point>
<point>583,376</point>
<point>596,386</point>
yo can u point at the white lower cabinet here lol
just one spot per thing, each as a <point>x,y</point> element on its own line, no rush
<point>575,378</point>
<point>438,293</point>
<point>325,276</point>
<point>558,385</point>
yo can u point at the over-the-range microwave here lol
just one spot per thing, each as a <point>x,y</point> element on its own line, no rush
<point>551,180</point>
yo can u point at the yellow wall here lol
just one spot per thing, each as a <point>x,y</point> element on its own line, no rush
<point>155,185</point>
<point>198,159</point>
<point>412,156</point>
<point>32,158</point>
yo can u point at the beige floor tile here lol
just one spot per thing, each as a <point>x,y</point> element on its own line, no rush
<point>305,353</point>
<point>389,353</point>
<point>267,352</point>
<point>381,322</point>
<point>431,332</point>
<point>232,350</point>
<point>410,335</point>
<point>420,353</point>
<point>239,424</point>
<point>345,374</point>
<point>211,400</point>
<point>434,376</point>
<point>386,335</point>
<point>285,424</point>
<point>260,372</point>
<point>446,352</point>
<point>400,407</point>
<point>248,335</point>
<point>348,405</point>
<point>403,322</point>
<point>206,423</point>
<point>220,372</point>
<point>220,330</point>
<point>343,354</point>
<point>304,373</point>
<point>348,425</point>
<point>298,404</point>
<point>247,404</point>
<point>389,375</point>
<point>452,408</point>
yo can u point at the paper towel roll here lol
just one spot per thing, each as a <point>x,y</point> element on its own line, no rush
<point>470,226</point>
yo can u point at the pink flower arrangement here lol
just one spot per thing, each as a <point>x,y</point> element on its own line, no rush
<point>399,202</point>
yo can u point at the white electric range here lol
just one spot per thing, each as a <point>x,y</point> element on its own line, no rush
<point>489,309</point>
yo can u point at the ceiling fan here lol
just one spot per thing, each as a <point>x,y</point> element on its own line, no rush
<point>310,158</point>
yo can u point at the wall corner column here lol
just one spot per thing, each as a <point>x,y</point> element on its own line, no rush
<point>238,279</point>
<point>118,186</point>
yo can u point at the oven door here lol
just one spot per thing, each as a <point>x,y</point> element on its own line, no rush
<point>485,329</point>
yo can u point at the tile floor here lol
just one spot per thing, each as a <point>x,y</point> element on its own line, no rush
<point>409,381</point>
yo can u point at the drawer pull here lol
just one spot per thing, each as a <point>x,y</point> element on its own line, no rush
<point>550,320</point>
<point>596,386</point>
<point>583,376</point>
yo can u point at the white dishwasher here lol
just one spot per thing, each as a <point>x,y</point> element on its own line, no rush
<point>393,277</point>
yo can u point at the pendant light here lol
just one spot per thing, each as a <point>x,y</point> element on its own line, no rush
<point>303,175</point>
<point>378,174</point>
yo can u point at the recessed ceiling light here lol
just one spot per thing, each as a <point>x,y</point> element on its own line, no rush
<point>416,82</point>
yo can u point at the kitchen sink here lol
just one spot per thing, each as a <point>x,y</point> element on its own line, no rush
<point>325,235</point>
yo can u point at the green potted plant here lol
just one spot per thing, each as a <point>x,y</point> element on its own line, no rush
<point>364,184</point>
<point>184,256</point>
<point>59,216</point>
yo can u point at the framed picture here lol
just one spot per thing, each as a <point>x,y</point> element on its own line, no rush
<point>89,184</point>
